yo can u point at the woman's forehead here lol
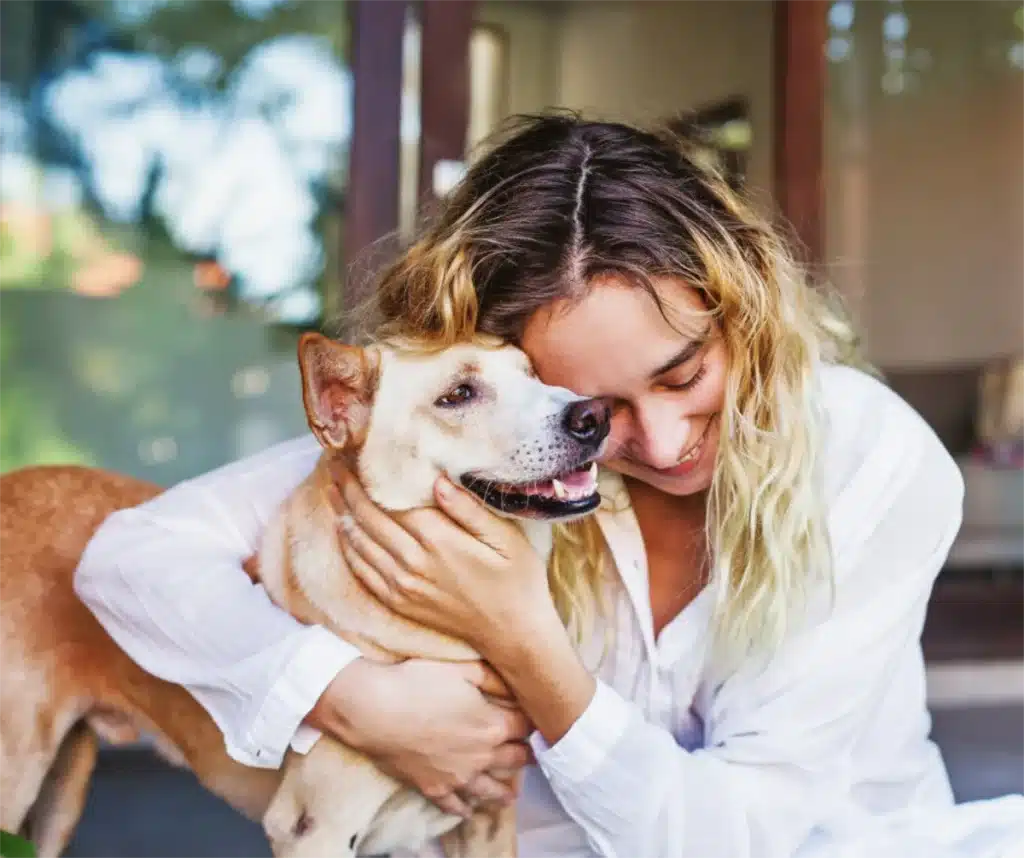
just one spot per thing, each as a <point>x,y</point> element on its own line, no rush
<point>615,336</point>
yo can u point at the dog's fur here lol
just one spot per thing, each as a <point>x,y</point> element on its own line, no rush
<point>65,682</point>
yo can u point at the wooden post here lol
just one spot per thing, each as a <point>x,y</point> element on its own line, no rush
<point>444,88</point>
<point>801,28</point>
<point>371,205</point>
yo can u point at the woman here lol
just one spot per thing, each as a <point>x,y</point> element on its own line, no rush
<point>725,660</point>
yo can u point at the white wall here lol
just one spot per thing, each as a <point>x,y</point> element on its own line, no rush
<point>532,33</point>
<point>926,187</point>
<point>645,61</point>
<point>640,60</point>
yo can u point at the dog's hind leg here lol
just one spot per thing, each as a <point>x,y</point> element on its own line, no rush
<point>31,731</point>
<point>55,813</point>
<point>22,772</point>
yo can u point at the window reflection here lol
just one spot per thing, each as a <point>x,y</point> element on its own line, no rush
<point>217,128</point>
<point>171,180</point>
<point>924,173</point>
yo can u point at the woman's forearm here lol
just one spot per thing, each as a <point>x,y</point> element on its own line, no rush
<point>163,594</point>
<point>544,673</point>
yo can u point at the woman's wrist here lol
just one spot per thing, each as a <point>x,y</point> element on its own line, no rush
<point>339,710</point>
<point>513,641</point>
<point>543,671</point>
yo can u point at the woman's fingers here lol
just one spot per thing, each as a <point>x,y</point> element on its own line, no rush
<point>510,757</point>
<point>486,679</point>
<point>454,804</point>
<point>367,574</point>
<point>374,555</point>
<point>471,514</point>
<point>515,725</point>
<point>484,788</point>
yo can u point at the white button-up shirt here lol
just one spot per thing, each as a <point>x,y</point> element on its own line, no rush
<point>803,752</point>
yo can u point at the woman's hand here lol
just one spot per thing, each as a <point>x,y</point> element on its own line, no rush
<point>461,569</point>
<point>433,725</point>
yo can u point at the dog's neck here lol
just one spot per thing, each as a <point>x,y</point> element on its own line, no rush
<point>541,536</point>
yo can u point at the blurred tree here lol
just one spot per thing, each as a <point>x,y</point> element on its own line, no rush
<point>227,28</point>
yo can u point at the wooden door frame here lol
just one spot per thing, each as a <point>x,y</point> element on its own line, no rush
<point>444,88</point>
<point>376,30</point>
<point>800,76</point>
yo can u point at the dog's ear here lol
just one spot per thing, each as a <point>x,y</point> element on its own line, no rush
<point>338,385</point>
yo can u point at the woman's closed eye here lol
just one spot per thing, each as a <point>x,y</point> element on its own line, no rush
<point>684,378</point>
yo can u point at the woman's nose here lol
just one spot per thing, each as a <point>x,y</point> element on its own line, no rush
<point>658,438</point>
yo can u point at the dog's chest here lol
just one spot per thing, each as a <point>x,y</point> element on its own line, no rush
<point>541,536</point>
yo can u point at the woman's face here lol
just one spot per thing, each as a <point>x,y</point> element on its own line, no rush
<point>664,378</point>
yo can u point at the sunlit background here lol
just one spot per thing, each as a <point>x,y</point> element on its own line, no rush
<point>175,193</point>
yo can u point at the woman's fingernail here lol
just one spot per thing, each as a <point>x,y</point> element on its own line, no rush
<point>444,487</point>
<point>346,523</point>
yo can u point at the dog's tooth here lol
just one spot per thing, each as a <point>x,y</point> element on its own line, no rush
<point>593,471</point>
<point>560,490</point>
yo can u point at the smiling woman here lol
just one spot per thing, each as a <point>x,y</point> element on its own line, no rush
<point>741,673</point>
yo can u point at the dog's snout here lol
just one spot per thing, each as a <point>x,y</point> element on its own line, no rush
<point>588,421</point>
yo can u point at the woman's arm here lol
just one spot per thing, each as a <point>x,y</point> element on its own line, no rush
<point>780,740</point>
<point>166,581</point>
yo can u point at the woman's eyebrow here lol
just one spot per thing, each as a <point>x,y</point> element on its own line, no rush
<point>685,353</point>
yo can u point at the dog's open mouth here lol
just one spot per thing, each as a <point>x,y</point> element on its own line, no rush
<point>570,494</point>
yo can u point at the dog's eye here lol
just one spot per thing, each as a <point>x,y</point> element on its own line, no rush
<point>457,396</point>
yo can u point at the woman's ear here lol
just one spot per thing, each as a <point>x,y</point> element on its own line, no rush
<point>338,386</point>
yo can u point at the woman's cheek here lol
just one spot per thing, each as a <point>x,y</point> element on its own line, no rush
<point>618,434</point>
<point>713,395</point>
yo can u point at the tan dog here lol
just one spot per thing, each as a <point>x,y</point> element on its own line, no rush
<point>401,418</point>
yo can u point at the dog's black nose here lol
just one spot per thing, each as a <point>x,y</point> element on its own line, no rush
<point>588,421</point>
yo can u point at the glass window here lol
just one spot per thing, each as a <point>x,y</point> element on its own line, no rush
<point>171,184</point>
<point>925,181</point>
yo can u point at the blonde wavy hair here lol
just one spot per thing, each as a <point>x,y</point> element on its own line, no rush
<point>556,202</point>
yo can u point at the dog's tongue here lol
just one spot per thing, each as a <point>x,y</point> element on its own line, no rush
<point>581,479</point>
<point>574,485</point>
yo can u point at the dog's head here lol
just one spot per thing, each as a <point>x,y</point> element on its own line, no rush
<point>474,413</point>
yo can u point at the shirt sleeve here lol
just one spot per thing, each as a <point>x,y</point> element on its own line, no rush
<point>165,580</point>
<point>780,756</point>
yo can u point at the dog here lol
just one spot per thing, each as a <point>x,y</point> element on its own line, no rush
<point>399,417</point>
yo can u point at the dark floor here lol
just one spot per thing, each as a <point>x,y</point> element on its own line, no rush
<point>983,749</point>
<point>140,807</point>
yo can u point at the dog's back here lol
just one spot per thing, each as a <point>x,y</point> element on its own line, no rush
<point>64,680</point>
<point>47,516</point>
